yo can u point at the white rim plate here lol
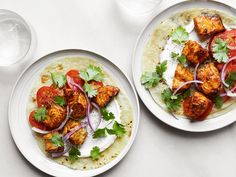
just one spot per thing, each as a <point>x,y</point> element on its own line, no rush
<point>22,133</point>
<point>183,124</point>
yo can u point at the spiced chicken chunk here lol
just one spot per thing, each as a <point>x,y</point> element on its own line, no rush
<point>194,52</point>
<point>79,136</point>
<point>55,116</point>
<point>49,146</point>
<point>207,25</point>
<point>210,77</point>
<point>182,75</point>
<point>197,106</point>
<point>105,95</point>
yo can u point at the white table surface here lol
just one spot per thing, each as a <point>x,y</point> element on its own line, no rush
<point>107,28</point>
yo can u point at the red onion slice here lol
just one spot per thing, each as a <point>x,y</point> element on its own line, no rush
<point>99,112</point>
<point>195,75</point>
<point>87,99</point>
<point>70,83</point>
<point>188,82</point>
<point>223,71</point>
<point>57,129</point>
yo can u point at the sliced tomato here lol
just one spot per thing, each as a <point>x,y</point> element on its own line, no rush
<point>230,37</point>
<point>35,123</point>
<point>45,96</point>
<point>74,74</point>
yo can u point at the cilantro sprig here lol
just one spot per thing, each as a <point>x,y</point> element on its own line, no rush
<point>180,57</point>
<point>57,140</point>
<point>218,101</point>
<point>151,79</point>
<point>231,79</point>
<point>220,50</point>
<point>107,115</point>
<point>95,153</point>
<point>74,154</point>
<point>40,114</point>
<point>173,101</point>
<point>60,100</point>
<point>58,79</point>
<point>89,74</point>
<point>179,35</point>
<point>117,129</point>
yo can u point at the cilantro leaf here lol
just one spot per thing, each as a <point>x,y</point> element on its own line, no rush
<point>172,103</point>
<point>150,79</point>
<point>95,153</point>
<point>58,79</point>
<point>179,35</point>
<point>218,101</point>
<point>220,50</point>
<point>57,140</point>
<point>181,58</point>
<point>160,69</point>
<point>99,133</point>
<point>90,90</point>
<point>40,114</point>
<point>92,73</point>
<point>107,115</point>
<point>60,100</point>
<point>231,79</point>
<point>73,154</point>
<point>118,130</point>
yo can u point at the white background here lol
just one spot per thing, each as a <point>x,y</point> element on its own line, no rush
<point>105,27</point>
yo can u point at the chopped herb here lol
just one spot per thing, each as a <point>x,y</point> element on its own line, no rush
<point>60,100</point>
<point>107,115</point>
<point>179,35</point>
<point>118,129</point>
<point>99,133</point>
<point>90,90</point>
<point>218,101</point>
<point>220,50</point>
<point>95,153</point>
<point>74,154</point>
<point>57,140</point>
<point>172,103</point>
<point>181,58</point>
<point>40,114</point>
<point>231,79</point>
<point>92,73</point>
<point>151,79</point>
<point>58,79</point>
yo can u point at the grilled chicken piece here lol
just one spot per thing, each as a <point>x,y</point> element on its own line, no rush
<point>207,25</point>
<point>55,116</point>
<point>194,52</point>
<point>79,136</point>
<point>49,146</point>
<point>197,106</point>
<point>210,77</point>
<point>77,102</point>
<point>105,94</point>
<point>182,75</point>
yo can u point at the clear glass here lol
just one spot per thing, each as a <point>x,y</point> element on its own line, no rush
<point>15,38</point>
<point>140,6</point>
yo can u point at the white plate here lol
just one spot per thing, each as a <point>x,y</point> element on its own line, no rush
<point>183,124</point>
<point>22,133</point>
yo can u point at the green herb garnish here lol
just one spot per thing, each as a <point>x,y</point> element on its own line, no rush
<point>231,79</point>
<point>218,101</point>
<point>107,115</point>
<point>151,79</point>
<point>220,50</point>
<point>179,35</point>
<point>60,100</point>
<point>58,79</point>
<point>74,154</point>
<point>95,153</point>
<point>181,58</point>
<point>40,114</point>
<point>90,90</point>
<point>57,140</point>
